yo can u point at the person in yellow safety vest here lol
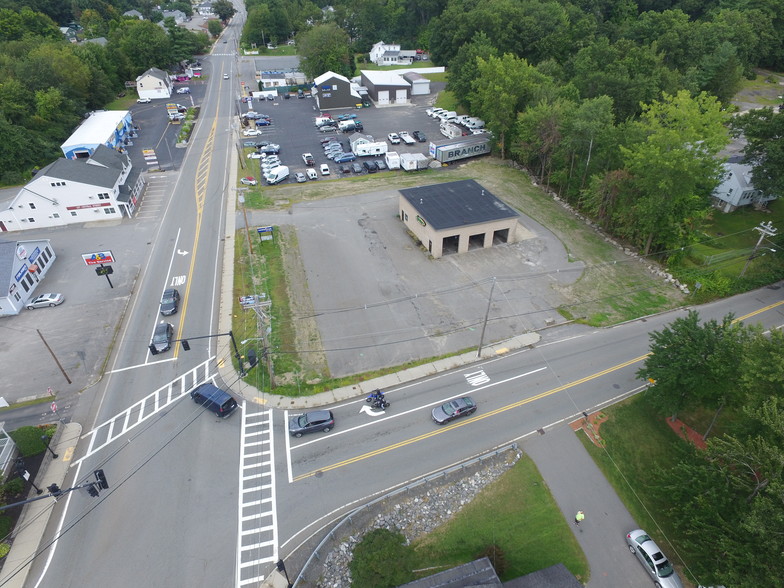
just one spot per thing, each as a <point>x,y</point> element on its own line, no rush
<point>579,517</point>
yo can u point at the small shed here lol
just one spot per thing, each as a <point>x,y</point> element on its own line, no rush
<point>456,217</point>
<point>420,85</point>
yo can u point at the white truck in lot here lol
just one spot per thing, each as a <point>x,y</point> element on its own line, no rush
<point>392,160</point>
<point>451,130</point>
<point>365,149</point>
<point>276,175</point>
<point>407,139</point>
<point>475,123</point>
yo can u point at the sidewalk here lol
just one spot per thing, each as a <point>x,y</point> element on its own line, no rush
<point>32,522</point>
<point>576,483</point>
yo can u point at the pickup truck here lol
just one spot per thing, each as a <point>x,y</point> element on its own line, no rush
<point>308,159</point>
<point>406,138</point>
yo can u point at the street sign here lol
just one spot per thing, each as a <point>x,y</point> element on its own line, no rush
<point>54,407</point>
<point>265,233</point>
<point>98,258</point>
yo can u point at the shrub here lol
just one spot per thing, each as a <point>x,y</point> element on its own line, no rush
<point>381,560</point>
<point>13,488</point>
<point>4,549</point>
<point>496,556</point>
<point>28,440</point>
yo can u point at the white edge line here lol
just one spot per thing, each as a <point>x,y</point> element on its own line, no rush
<point>171,260</point>
<point>273,494</point>
<point>239,497</point>
<point>418,408</point>
<point>53,547</point>
<point>288,445</point>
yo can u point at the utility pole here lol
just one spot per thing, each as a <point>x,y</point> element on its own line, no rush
<point>765,230</point>
<point>54,357</point>
<point>484,325</point>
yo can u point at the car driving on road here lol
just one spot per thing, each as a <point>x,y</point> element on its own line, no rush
<point>453,409</point>
<point>162,337</point>
<point>652,559</point>
<point>170,301</point>
<point>143,100</point>
<point>311,422</point>
<point>50,299</point>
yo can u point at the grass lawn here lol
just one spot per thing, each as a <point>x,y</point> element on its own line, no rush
<point>516,513</point>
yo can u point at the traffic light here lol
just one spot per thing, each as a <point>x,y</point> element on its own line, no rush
<point>252,358</point>
<point>54,490</point>
<point>101,480</point>
<point>92,490</point>
<point>185,345</point>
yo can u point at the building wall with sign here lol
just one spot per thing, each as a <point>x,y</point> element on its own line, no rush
<point>23,264</point>
<point>112,128</point>
<point>456,217</point>
<point>333,90</point>
<point>76,191</point>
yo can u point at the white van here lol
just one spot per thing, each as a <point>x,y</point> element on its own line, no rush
<point>277,174</point>
<point>311,173</point>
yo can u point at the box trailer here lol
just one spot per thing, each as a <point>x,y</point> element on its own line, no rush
<point>413,161</point>
<point>366,149</point>
<point>455,149</point>
<point>392,160</point>
<point>451,130</point>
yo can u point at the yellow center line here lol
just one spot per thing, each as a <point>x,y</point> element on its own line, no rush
<point>201,179</point>
<point>447,428</point>
<point>756,312</point>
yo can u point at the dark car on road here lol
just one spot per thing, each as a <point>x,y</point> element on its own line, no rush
<point>170,301</point>
<point>453,409</point>
<point>419,136</point>
<point>162,337</point>
<point>214,399</point>
<point>311,422</point>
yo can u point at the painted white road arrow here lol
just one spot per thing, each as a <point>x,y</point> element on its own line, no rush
<point>182,252</point>
<point>370,411</point>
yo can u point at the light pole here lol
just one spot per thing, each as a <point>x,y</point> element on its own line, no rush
<point>45,439</point>
<point>765,230</point>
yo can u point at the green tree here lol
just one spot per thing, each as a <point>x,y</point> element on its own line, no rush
<point>504,86</point>
<point>324,48</point>
<point>223,9</point>
<point>143,44</point>
<point>695,365</point>
<point>675,168</point>
<point>214,27</point>
<point>93,24</point>
<point>462,69</point>
<point>381,560</point>
<point>763,130</point>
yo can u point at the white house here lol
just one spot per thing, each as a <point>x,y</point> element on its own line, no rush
<point>22,265</point>
<point>390,54</point>
<point>737,189</point>
<point>273,79</point>
<point>154,83</point>
<point>106,127</point>
<point>103,187</point>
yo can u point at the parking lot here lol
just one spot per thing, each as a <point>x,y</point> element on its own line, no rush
<point>293,128</point>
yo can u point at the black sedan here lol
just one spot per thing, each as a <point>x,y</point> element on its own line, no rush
<point>453,409</point>
<point>311,422</point>
<point>170,301</point>
<point>419,136</point>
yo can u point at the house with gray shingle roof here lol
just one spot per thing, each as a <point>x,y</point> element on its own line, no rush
<point>154,83</point>
<point>67,191</point>
<point>737,188</point>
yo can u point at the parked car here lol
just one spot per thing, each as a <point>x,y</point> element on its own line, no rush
<point>311,173</point>
<point>393,138</point>
<point>270,149</point>
<point>263,122</point>
<point>380,164</point>
<point>253,115</point>
<point>253,144</point>
<point>311,422</point>
<point>370,166</point>
<point>345,169</point>
<point>419,136</point>
<point>185,90</point>
<point>347,116</point>
<point>345,157</point>
<point>328,129</point>
<point>324,169</point>
<point>356,168</point>
<point>300,177</point>
<point>255,155</point>
<point>251,133</point>
<point>453,409</point>
<point>248,181</point>
<point>143,100</point>
<point>50,299</point>
<point>162,337</point>
<point>170,301</point>
<point>308,159</point>
<point>225,76</point>
<point>652,559</point>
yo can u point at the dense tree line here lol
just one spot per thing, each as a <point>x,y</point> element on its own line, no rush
<point>726,501</point>
<point>47,84</point>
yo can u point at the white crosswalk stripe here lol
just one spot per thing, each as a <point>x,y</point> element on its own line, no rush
<point>477,378</point>
<point>257,545</point>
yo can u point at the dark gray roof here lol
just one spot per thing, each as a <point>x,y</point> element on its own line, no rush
<point>476,573</point>
<point>108,157</point>
<point>556,576</point>
<point>78,170</point>
<point>127,188</point>
<point>7,252</point>
<point>457,204</point>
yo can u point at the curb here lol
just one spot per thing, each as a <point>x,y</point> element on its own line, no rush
<point>35,516</point>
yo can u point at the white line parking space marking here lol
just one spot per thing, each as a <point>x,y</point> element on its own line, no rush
<point>257,543</point>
